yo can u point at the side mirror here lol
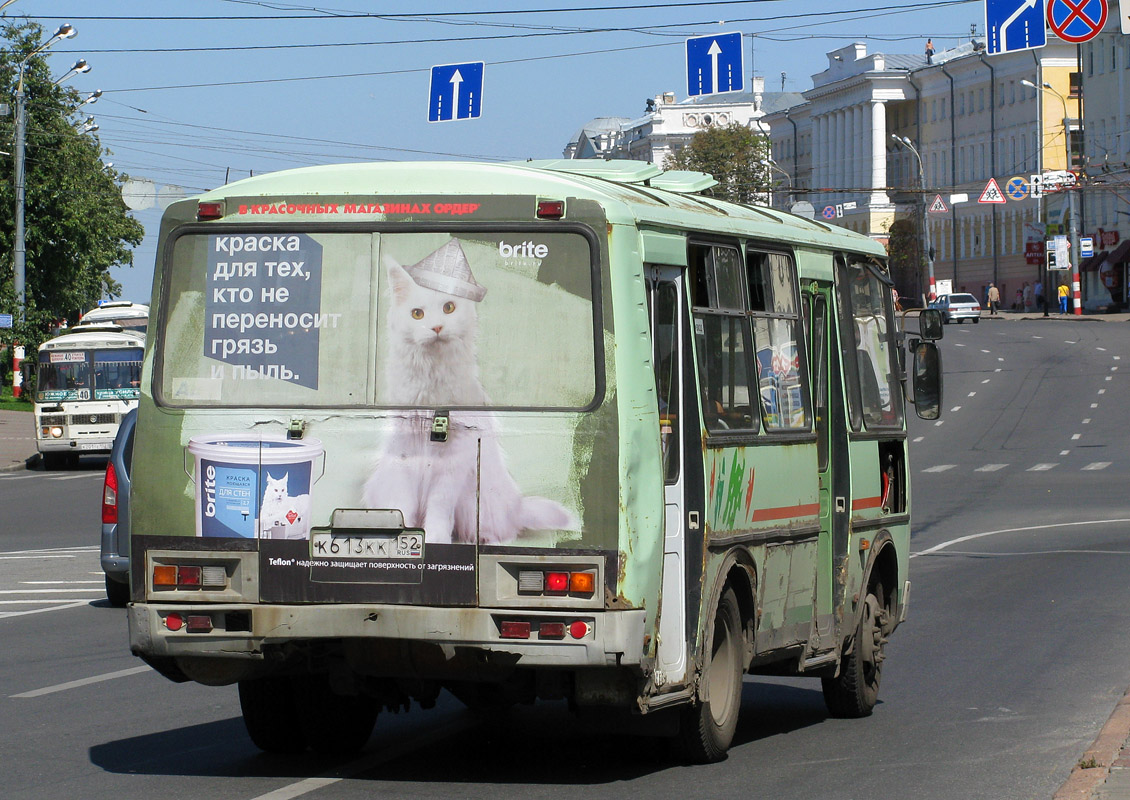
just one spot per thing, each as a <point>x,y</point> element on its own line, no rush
<point>927,380</point>
<point>930,324</point>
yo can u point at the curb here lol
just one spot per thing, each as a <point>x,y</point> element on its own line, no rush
<point>1103,752</point>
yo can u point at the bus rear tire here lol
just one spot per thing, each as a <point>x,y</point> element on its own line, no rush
<point>271,714</point>
<point>53,461</point>
<point>707,726</point>
<point>855,691</point>
<point>335,724</point>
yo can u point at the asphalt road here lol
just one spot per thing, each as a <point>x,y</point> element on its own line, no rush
<point>1014,654</point>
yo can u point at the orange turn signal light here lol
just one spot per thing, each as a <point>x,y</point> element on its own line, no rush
<point>165,575</point>
<point>582,583</point>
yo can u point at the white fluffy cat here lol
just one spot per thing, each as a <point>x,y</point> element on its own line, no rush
<point>432,364</point>
<point>282,516</point>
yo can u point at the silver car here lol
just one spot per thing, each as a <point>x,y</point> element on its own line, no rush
<point>115,513</point>
<point>958,307</point>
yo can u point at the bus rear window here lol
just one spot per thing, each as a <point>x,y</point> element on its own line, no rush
<point>434,320</point>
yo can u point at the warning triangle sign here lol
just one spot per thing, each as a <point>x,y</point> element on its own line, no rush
<point>938,206</point>
<point>992,193</point>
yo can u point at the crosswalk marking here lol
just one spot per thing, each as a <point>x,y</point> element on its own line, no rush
<point>1041,467</point>
<point>990,467</point>
<point>1097,465</point>
<point>939,468</point>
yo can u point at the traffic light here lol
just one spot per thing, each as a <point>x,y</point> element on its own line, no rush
<point>1050,254</point>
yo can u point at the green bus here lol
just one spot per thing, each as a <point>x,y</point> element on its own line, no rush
<point>554,429</point>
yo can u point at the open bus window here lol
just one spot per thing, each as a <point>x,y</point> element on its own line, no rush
<point>723,338</point>
<point>782,387</point>
<point>869,347</point>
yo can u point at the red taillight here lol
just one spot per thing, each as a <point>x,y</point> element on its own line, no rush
<point>557,582</point>
<point>110,496</point>
<point>206,211</point>
<point>515,630</point>
<point>551,209</point>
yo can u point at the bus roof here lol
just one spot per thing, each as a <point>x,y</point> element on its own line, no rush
<point>116,309</point>
<point>631,192</point>
<point>98,335</point>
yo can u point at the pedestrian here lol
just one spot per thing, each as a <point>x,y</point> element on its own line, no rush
<point>1027,295</point>
<point>929,51</point>
<point>1064,292</point>
<point>1018,303</point>
<point>1039,290</point>
<point>994,299</point>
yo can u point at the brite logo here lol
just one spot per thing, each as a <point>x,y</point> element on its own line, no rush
<point>523,250</point>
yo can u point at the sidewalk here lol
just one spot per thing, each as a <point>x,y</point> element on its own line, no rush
<point>17,440</point>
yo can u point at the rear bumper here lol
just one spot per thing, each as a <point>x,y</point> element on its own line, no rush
<point>244,631</point>
<point>83,447</point>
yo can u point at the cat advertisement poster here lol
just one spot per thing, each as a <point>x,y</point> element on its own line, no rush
<point>370,338</point>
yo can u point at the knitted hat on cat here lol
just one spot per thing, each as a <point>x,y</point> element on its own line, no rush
<point>446,270</point>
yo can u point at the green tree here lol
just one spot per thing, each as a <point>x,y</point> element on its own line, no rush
<point>76,224</point>
<point>904,250</point>
<point>733,155</point>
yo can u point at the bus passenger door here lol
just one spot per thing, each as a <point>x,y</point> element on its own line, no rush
<point>666,308</point>
<point>832,467</point>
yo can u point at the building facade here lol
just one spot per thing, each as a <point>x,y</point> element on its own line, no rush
<point>881,138</point>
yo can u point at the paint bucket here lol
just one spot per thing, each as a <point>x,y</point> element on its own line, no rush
<point>254,485</point>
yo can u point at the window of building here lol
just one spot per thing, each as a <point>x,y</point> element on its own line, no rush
<point>980,99</point>
<point>1011,92</point>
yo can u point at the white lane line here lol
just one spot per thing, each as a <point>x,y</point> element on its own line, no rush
<point>1069,342</point>
<point>1065,452</point>
<point>986,351</point>
<point>41,591</point>
<point>18,477</point>
<point>1076,436</point>
<point>990,467</point>
<point>62,687</point>
<point>51,550</point>
<point>1118,358</point>
<point>76,477</point>
<point>1101,349</point>
<point>1102,391</point>
<point>41,600</point>
<point>955,408</point>
<point>972,394</point>
<point>939,423</point>
<point>983,534</point>
<point>986,380</point>
<point>1087,421</point>
<point>939,468</point>
<point>1098,465</point>
<point>39,557</point>
<point>62,607</point>
<point>1041,467</point>
<point>919,438</point>
<point>958,344</point>
<point>424,742</point>
<point>57,583</point>
<point>1094,405</point>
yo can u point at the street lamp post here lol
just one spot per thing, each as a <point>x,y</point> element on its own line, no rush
<point>905,142</point>
<point>1072,223</point>
<point>65,31</point>
<point>771,164</point>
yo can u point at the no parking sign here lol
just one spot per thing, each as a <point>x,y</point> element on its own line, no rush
<point>1077,20</point>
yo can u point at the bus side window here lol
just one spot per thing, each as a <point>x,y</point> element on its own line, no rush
<point>782,377</point>
<point>723,337</point>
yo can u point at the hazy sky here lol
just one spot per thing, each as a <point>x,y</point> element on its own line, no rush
<point>196,92</point>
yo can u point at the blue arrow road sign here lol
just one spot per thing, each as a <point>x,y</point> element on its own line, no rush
<point>714,64</point>
<point>456,92</point>
<point>1015,25</point>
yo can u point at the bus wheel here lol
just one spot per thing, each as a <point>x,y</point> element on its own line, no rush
<point>707,726</point>
<point>334,723</point>
<point>53,461</point>
<point>854,692</point>
<point>270,713</point>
